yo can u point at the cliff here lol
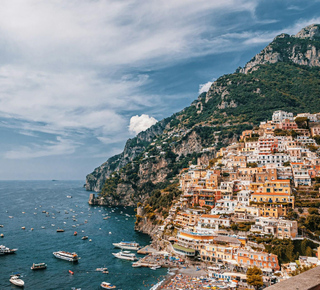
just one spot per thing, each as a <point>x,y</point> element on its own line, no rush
<point>285,75</point>
<point>302,48</point>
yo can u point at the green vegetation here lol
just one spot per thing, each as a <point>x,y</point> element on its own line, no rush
<point>254,277</point>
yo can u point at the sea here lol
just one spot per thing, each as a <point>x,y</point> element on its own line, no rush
<point>44,206</point>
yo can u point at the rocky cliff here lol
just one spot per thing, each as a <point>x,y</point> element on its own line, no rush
<point>302,48</point>
<point>285,75</point>
<point>133,147</point>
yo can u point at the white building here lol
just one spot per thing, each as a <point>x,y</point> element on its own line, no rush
<point>279,116</point>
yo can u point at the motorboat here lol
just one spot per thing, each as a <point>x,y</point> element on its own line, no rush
<point>75,233</point>
<point>15,279</point>
<point>60,230</point>
<point>69,196</point>
<point>71,257</point>
<point>127,246</point>
<point>155,267</point>
<point>5,250</point>
<point>125,255</point>
<point>38,266</point>
<point>84,238</point>
<point>103,270</point>
<point>106,285</point>
<point>136,265</point>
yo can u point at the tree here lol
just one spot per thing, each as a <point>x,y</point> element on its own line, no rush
<point>254,277</point>
<point>300,210</point>
<point>313,210</point>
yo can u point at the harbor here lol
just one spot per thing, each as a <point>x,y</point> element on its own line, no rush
<point>51,197</point>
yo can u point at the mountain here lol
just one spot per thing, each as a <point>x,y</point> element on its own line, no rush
<point>285,75</point>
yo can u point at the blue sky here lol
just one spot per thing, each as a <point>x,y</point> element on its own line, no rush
<point>78,78</point>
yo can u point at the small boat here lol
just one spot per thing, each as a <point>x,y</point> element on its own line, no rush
<point>23,228</point>
<point>60,230</point>
<point>103,270</point>
<point>125,255</point>
<point>84,238</point>
<point>71,272</point>
<point>107,217</point>
<point>15,279</point>
<point>127,245</point>
<point>155,267</point>
<point>75,233</point>
<point>1,235</point>
<point>69,196</point>
<point>136,265</point>
<point>1,226</point>
<point>90,240</point>
<point>71,257</point>
<point>43,227</point>
<point>4,250</point>
<point>38,266</point>
<point>106,285</point>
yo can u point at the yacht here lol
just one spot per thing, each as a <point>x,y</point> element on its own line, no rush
<point>15,279</point>
<point>127,246</point>
<point>4,250</point>
<point>71,257</point>
<point>125,255</point>
<point>106,285</point>
<point>38,266</point>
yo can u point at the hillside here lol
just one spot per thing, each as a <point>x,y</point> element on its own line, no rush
<point>235,102</point>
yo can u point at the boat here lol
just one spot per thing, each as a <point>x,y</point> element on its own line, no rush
<point>23,228</point>
<point>1,235</point>
<point>38,266</point>
<point>60,230</point>
<point>155,267</point>
<point>4,250</point>
<point>71,272</point>
<point>71,257</point>
<point>106,285</point>
<point>75,233</point>
<point>107,217</point>
<point>103,270</point>
<point>84,238</point>
<point>69,196</point>
<point>136,265</point>
<point>127,246</point>
<point>125,255</point>
<point>15,279</point>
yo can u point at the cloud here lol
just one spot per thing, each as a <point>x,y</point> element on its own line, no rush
<point>141,123</point>
<point>204,87</point>
<point>51,148</point>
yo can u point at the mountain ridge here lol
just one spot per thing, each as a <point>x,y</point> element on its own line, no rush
<point>234,102</point>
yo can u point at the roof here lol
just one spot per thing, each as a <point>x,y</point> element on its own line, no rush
<point>309,280</point>
<point>226,239</point>
<point>210,216</point>
<point>178,247</point>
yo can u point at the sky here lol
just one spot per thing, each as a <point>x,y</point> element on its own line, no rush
<point>80,77</point>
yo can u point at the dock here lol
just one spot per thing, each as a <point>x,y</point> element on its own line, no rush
<point>147,250</point>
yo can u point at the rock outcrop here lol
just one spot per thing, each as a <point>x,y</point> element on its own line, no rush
<point>302,48</point>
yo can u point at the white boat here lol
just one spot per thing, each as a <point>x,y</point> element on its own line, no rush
<point>125,255</point>
<point>155,267</point>
<point>15,279</point>
<point>136,265</point>
<point>103,270</point>
<point>5,250</point>
<point>127,246</point>
<point>106,285</point>
<point>38,266</point>
<point>71,257</point>
<point>69,196</point>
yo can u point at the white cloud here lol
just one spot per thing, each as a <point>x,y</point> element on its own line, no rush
<point>141,123</point>
<point>59,147</point>
<point>204,87</point>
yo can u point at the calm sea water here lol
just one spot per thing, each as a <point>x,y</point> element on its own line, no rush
<point>33,197</point>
